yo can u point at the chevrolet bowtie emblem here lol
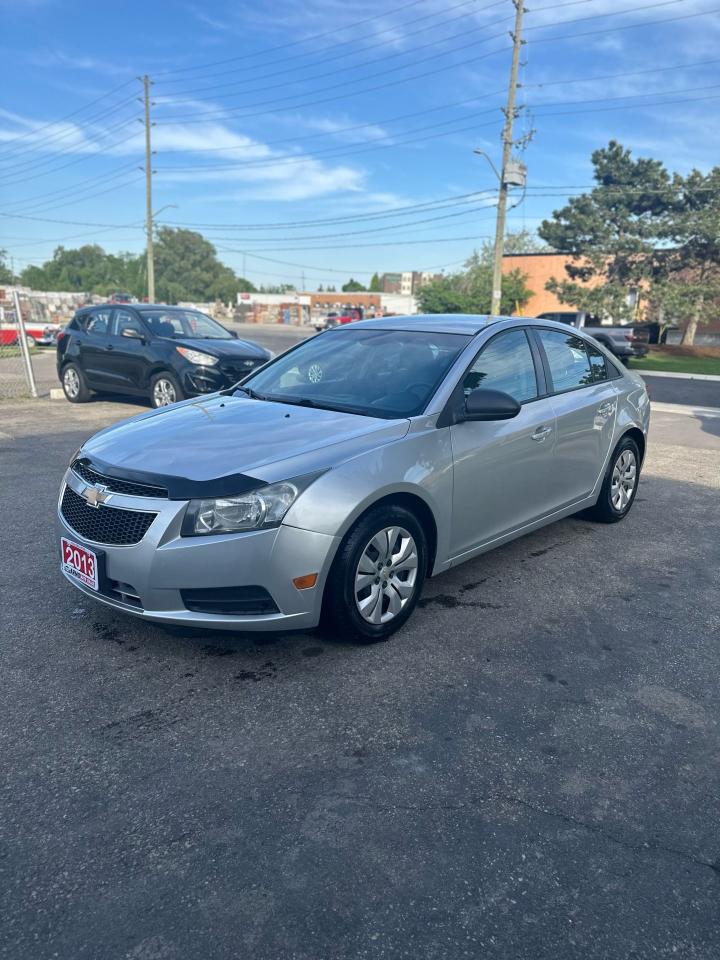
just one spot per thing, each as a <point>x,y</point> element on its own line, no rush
<point>96,495</point>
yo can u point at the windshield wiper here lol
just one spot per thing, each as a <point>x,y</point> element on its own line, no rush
<point>318,404</point>
<point>251,393</point>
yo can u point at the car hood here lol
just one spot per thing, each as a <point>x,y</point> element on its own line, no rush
<point>211,438</point>
<point>224,349</point>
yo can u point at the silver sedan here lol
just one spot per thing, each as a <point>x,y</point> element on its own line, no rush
<point>331,482</point>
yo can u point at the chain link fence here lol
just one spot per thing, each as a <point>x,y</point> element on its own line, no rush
<point>30,321</point>
<point>17,346</point>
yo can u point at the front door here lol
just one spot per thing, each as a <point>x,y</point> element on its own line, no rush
<point>585,405</point>
<point>128,359</point>
<point>502,469</point>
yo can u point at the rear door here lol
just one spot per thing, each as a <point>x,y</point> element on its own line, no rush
<point>94,348</point>
<point>502,469</point>
<point>585,405</point>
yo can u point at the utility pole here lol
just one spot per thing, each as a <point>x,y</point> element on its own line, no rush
<point>148,192</point>
<point>507,139</point>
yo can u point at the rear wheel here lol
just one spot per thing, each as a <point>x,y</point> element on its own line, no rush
<point>377,576</point>
<point>165,389</point>
<point>74,384</point>
<point>620,484</point>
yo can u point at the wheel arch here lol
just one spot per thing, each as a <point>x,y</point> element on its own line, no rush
<point>636,434</point>
<point>410,501</point>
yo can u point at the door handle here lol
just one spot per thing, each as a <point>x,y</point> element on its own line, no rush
<point>607,408</point>
<point>541,433</point>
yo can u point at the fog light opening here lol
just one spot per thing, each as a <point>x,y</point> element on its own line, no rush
<point>305,582</point>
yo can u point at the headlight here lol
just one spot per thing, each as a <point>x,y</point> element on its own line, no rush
<point>264,507</point>
<point>196,356</point>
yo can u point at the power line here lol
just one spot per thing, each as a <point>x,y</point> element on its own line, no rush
<point>628,26</point>
<point>348,43</point>
<point>392,140</point>
<point>292,43</point>
<point>61,135</point>
<point>83,156</point>
<point>67,116</point>
<point>208,115</point>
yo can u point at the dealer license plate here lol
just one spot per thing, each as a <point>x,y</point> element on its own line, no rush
<point>80,563</point>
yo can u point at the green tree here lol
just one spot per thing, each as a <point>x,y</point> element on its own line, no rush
<point>6,274</point>
<point>352,286</point>
<point>613,235</point>
<point>375,286</point>
<point>187,268</point>
<point>687,288</point>
<point>87,269</point>
<point>470,290</point>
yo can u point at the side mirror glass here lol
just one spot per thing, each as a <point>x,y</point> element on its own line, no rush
<point>482,404</point>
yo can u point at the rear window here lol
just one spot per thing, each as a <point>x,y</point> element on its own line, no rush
<point>567,359</point>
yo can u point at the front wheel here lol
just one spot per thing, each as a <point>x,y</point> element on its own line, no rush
<point>377,576</point>
<point>620,484</point>
<point>164,390</point>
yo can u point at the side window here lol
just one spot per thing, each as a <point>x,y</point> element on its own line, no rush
<point>597,363</point>
<point>98,323</point>
<point>505,364</point>
<point>567,359</point>
<point>124,320</point>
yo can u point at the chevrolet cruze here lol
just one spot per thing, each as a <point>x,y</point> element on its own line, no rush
<point>329,484</point>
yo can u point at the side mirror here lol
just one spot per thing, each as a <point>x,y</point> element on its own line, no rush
<point>132,333</point>
<point>483,404</point>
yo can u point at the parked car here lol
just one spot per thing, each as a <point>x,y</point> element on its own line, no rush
<point>623,342</point>
<point>164,353</point>
<point>331,320</point>
<point>331,482</point>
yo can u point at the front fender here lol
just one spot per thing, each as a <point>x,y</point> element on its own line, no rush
<point>419,464</point>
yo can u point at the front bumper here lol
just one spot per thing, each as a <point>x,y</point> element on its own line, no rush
<point>197,380</point>
<point>146,579</point>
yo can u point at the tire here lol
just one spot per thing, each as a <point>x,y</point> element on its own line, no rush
<point>74,384</point>
<point>401,589</point>
<point>617,494</point>
<point>165,389</point>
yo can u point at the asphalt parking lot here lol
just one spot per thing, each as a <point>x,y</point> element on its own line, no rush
<point>529,769</point>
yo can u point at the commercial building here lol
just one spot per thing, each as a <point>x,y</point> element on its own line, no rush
<point>407,283</point>
<point>308,307</point>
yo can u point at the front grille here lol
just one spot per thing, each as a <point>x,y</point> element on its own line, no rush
<point>238,369</point>
<point>117,486</point>
<point>110,525</point>
<point>231,601</point>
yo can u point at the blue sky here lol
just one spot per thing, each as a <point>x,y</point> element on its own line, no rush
<point>269,115</point>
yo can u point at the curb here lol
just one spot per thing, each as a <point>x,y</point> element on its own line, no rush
<point>677,376</point>
<point>684,410</point>
<point>57,394</point>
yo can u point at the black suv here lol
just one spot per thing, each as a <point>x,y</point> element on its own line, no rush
<point>164,353</point>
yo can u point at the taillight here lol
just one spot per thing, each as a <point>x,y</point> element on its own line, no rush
<point>629,337</point>
<point>61,335</point>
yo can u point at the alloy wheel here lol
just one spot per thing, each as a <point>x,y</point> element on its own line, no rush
<point>624,478</point>
<point>163,393</point>
<point>71,382</point>
<point>386,575</point>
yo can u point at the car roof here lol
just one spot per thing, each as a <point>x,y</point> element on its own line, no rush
<point>434,322</point>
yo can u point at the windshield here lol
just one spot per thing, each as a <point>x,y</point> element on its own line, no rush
<point>376,373</point>
<point>184,324</point>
